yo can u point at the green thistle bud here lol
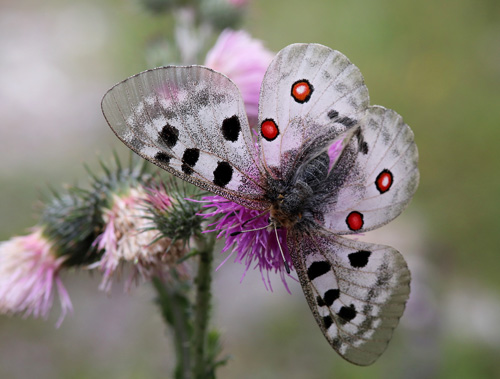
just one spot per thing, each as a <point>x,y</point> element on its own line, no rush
<point>174,216</point>
<point>221,13</point>
<point>72,220</point>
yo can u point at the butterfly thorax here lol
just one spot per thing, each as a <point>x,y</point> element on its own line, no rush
<point>294,201</point>
<point>281,218</point>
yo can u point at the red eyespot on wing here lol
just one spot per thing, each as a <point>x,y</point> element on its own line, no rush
<point>354,220</point>
<point>269,129</point>
<point>384,181</point>
<point>302,90</point>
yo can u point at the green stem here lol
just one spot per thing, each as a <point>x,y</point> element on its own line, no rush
<point>205,244</point>
<point>174,305</point>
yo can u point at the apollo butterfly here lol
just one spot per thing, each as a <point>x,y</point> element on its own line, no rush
<point>325,164</point>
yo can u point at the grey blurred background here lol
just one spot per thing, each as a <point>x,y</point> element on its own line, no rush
<point>435,62</point>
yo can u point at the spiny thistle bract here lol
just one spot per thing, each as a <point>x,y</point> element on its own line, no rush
<point>73,218</point>
<point>174,216</point>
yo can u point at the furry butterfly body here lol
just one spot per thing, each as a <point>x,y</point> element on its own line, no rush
<point>326,164</point>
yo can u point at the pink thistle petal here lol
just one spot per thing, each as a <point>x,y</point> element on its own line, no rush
<point>157,197</point>
<point>244,60</point>
<point>29,272</point>
<point>127,240</point>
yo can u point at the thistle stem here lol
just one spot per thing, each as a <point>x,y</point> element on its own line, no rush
<point>190,329</point>
<point>174,306</point>
<point>205,244</point>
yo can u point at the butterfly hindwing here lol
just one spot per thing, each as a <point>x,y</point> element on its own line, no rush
<point>310,92</point>
<point>357,291</point>
<point>191,122</point>
<point>376,176</point>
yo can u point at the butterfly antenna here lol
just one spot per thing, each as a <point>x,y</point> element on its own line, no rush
<point>253,218</point>
<point>287,268</point>
<point>248,230</point>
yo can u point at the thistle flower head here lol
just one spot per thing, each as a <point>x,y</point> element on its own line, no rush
<point>258,248</point>
<point>73,218</point>
<point>171,211</point>
<point>221,13</point>
<point>29,277</point>
<point>128,239</point>
<point>244,60</point>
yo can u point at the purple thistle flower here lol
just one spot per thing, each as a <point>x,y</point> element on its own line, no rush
<point>29,272</point>
<point>257,248</point>
<point>244,60</point>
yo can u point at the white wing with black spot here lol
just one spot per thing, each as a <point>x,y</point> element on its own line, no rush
<point>357,291</point>
<point>190,121</point>
<point>376,176</point>
<point>310,93</point>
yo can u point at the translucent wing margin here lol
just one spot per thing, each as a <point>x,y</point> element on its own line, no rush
<point>357,291</point>
<point>312,94</point>
<point>190,121</point>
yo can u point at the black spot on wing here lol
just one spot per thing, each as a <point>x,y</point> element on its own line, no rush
<point>359,259</point>
<point>223,174</point>
<point>169,135</point>
<point>347,313</point>
<point>333,114</point>
<point>163,158</point>
<point>331,296</point>
<point>191,156</point>
<point>362,145</point>
<point>186,169</point>
<point>346,121</point>
<point>364,148</point>
<point>231,128</point>
<point>318,268</point>
<point>189,159</point>
<point>327,321</point>
<point>320,301</point>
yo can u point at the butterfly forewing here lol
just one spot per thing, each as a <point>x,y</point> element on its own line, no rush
<point>357,291</point>
<point>379,175</point>
<point>309,91</point>
<point>190,121</point>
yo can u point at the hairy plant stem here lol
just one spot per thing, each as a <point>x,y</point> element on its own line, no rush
<point>174,305</point>
<point>205,244</point>
<point>189,320</point>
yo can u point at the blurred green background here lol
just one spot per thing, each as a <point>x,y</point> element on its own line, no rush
<point>437,63</point>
